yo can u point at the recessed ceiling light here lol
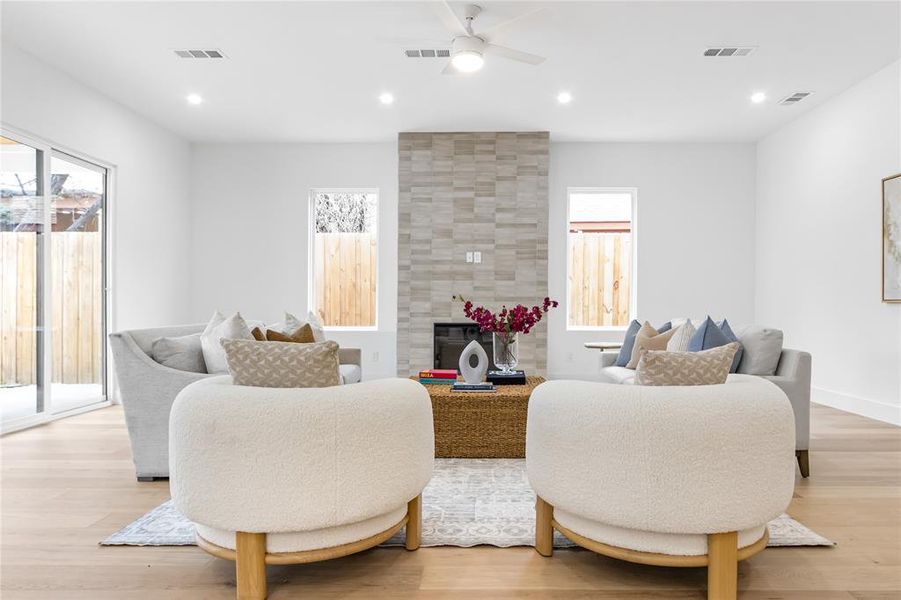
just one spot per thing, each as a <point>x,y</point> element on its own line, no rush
<point>386,98</point>
<point>194,99</point>
<point>758,97</point>
<point>468,61</point>
<point>564,97</point>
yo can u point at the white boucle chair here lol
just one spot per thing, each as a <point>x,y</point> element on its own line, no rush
<point>287,475</point>
<point>668,476</point>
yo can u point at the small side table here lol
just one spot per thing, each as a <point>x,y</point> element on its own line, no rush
<point>603,345</point>
<point>481,425</point>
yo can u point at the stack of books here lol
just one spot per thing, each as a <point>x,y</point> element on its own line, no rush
<point>511,378</point>
<point>472,387</point>
<point>438,376</point>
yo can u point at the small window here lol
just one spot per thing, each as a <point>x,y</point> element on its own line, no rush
<point>344,257</point>
<point>599,251</point>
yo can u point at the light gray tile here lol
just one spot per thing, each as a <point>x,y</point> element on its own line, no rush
<point>467,191</point>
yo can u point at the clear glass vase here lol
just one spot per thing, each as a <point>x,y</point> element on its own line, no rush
<point>505,347</point>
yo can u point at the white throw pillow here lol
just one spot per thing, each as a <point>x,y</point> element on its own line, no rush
<point>680,339</point>
<point>679,321</point>
<point>291,324</point>
<point>219,328</point>
<point>318,327</point>
<point>217,318</point>
<point>288,327</point>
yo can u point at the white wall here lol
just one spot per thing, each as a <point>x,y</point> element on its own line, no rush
<point>149,204</point>
<point>695,233</point>
<point>251,218</point>
<point>230,231</point>
<point>818,244</point>
<point>250,232</point>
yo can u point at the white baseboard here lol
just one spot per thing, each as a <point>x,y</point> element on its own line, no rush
<point>865,407</point>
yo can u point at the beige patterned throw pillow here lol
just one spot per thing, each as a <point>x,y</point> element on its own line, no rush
<point>708,367</point>
<point>282,364</point>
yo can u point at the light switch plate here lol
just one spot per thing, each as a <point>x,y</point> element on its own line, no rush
<point>477,257</point>
<point>469,257</point>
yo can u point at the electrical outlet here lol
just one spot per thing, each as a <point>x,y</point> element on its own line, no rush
<point>477,257</point>
<point>375,357</point>
<point>469,257</point>
<point>569,357</point>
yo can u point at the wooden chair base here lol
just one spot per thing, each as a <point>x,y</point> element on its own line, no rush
<point>250,556</point>
<point>721,559</point>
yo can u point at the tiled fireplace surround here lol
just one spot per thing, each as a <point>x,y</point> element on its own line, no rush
<point>460,192</point>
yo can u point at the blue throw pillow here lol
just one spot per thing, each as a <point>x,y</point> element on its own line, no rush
<point>727,331</point>
<point>625,353</point>
<point>665,327</point>
<point>708,336</point>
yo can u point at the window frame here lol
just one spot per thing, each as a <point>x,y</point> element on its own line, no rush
<point>311,263</point>
<point>633,263</point>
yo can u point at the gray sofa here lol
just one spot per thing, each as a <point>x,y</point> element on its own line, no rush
<point>792,375</point>
<point>147,390</point>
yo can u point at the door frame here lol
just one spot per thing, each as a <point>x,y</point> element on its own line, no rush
<point>44,333</point>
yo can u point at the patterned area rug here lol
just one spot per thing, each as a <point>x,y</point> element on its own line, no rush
<point>468,502</point>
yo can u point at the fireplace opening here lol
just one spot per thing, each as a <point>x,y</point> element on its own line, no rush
<point>449,340</point>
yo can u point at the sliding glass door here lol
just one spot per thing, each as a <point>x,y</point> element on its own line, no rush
<point>78,191</point>
<point>22,221</point>
<point>52,282</point>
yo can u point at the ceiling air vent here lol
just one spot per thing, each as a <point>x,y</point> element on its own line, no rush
<point>730,51</point>
<point>199,53</point>
<point>794,98</point>
<point>428,53</point>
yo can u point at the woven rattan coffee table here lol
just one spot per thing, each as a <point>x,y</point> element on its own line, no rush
<point>476,425</point>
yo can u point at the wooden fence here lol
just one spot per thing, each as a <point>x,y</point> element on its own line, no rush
<point>599,279</point>
<point>76,307</point>
<point>345,278</point>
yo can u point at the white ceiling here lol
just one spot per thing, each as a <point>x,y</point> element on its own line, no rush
<point>312,71</point>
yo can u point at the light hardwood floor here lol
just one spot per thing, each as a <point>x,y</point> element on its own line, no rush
<point>68,485</point>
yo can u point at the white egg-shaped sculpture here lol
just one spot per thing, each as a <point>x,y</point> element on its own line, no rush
<point>474,374</point>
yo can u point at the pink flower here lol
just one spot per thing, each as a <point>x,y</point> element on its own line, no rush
<point>518,319</point>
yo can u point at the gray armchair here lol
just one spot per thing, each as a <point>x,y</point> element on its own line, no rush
<point>793,377</point>
<point>148,389</point>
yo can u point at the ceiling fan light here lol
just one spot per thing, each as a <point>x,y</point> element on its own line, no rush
<point>468,61</point>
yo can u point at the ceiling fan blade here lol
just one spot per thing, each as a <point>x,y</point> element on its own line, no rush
<point>517,55</point>
<point>491,31</point>
<point>450,18</point>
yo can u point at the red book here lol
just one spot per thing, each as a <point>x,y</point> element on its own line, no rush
<point>439,374</point>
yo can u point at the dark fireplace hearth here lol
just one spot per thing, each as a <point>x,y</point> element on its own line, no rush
<point>449,340</point>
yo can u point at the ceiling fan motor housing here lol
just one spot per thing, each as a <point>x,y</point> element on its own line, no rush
<point>465,43</point>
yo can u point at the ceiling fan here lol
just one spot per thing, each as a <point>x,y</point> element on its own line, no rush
<point>468,49</point>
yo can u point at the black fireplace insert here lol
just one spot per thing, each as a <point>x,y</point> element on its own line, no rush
<point>449,340</point>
